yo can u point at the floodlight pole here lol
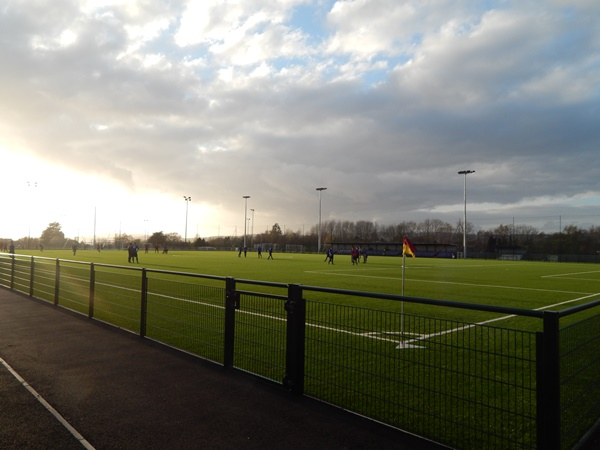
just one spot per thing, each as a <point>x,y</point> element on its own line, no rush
<point>252,227</point>
<point>94,227</point>
<point>187,202</point>
<point>465,173</point>
<point>320,189</point>
<point>245,197</point>
<point>29,229</point>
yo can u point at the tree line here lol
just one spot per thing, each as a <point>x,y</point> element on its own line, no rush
<point>572,239</point>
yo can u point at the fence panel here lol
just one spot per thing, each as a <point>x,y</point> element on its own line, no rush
<point>467,386</point>
<point>260,336</point>
<point>117,293</point>
<point>44,282</point>
<point>75,286</point>
<point>6,262</point>
<point>187,314</point>
<point>21,274</point>
<point>579,379</point>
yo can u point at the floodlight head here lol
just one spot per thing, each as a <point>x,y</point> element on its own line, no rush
<point>465,172</point>
<point>321,189</point>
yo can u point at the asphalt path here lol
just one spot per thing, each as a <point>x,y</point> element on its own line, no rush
<point>67,382</point>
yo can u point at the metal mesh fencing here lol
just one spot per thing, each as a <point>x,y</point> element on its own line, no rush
<point>579,375</point>
<point>467,386</point>
<point>21,274</point>
<point>188,315</point>
<point>5,269</point>
<point>116,298</point>
<point>260,336</point>
<point>44,281</point>
<point>74,287</point>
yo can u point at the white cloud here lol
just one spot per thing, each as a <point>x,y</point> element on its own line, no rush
<point>379,100</point>
<point>67,38</point>
<point>365,28</point>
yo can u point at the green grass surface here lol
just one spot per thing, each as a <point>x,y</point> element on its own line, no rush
<point>521,284</point>
<point>515,284</point>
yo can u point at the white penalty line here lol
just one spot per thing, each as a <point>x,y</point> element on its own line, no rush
<point>485,322</point>
<point>48,406</point>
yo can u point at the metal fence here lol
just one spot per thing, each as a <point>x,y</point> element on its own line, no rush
<point>461,384</point>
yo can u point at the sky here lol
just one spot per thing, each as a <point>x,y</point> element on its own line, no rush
<point>113,111</point>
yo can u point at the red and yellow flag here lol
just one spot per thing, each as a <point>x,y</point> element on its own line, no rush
<point>408,248</point>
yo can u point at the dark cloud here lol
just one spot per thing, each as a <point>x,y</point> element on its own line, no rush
<point>248,107</point>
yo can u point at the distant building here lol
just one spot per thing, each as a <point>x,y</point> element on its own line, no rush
<point>434,250</point>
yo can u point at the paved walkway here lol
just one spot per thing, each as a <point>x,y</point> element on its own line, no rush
<point>104,388</point>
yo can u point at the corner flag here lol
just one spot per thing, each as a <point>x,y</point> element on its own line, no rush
<point>408,248</point>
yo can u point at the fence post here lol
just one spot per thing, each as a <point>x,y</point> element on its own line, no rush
<point>144,303</point>
<point>31,275</point>
<point>12,271</point>
<point>295,345</point>
<point>92,291</point>
<point>57,282</point>
<point>548,384</point>
<point>232,302</point>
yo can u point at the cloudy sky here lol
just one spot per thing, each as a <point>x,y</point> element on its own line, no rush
<point>113,110</point>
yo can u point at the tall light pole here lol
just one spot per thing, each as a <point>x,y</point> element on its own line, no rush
<point>465,173</point>
<point>252,228</point>
<point>320,189</point>
<point>245,197</point>
<point>34,185</point>
<point>187,202</point>
<point>94,227</point>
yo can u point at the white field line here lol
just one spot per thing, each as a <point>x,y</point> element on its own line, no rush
<point>570,276</point>
<point>399,278</point>
<point>377,335</point>
<point>497,319</point>
<point>570,273</point>
<point>283,319</point>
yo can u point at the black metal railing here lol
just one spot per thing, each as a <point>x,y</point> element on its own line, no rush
<point>466,385</point>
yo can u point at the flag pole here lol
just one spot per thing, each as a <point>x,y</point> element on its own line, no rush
<point>407,247</point>
<point>402,304</point>
<point>403,264</point>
